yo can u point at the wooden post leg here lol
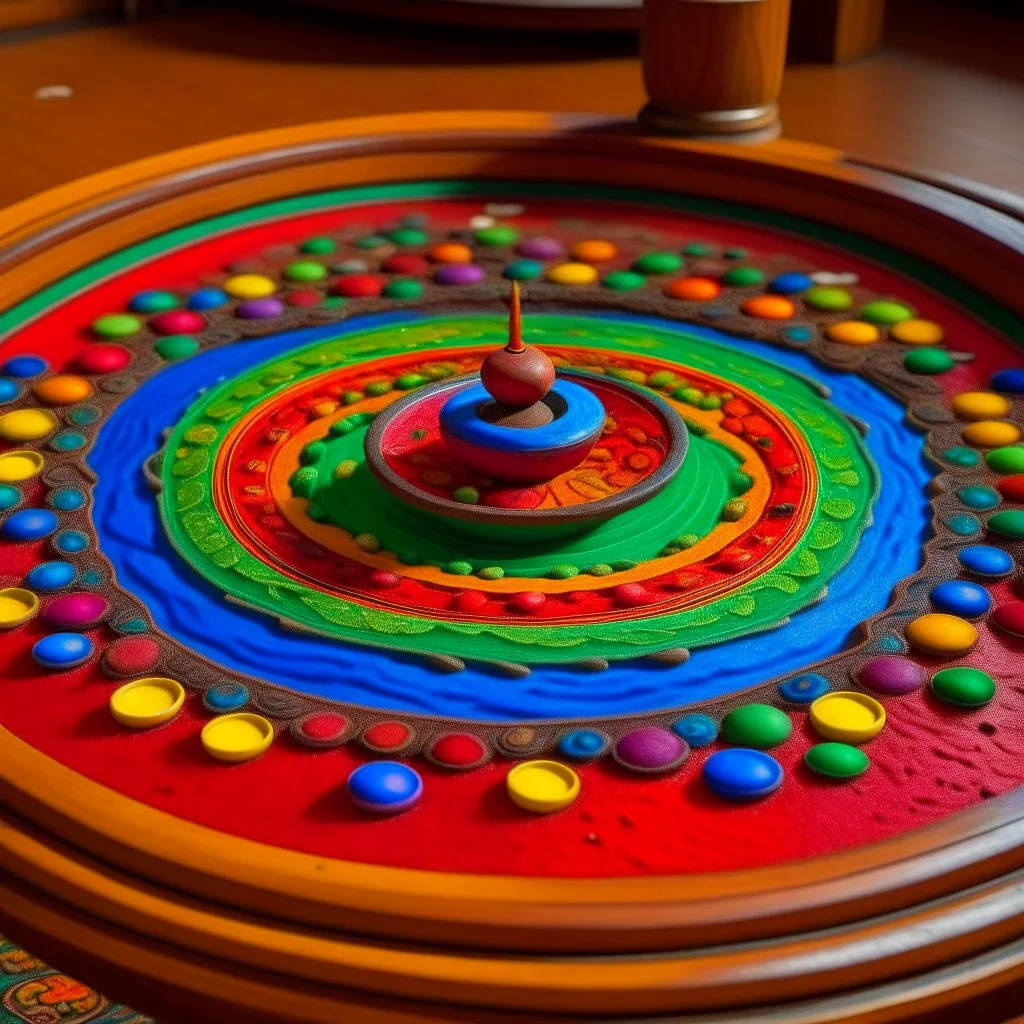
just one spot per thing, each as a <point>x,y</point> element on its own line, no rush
<point>714,67</point>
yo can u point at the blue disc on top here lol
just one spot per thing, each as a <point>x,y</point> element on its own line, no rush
<point>582,744</point>
<point>959,597</point>
<point>789,284</point>
<point>51,576</point>
<point>741,774</point>
<point>1010,382</point>
<point>697,730</point>
<point>985,560</point>
<point>384,787</point>
<point>24,366</point>
<point>29,524</point>
<point>804,689</point>
<point>9,391</point>
<point>60,651</point>
<point>207,298</point>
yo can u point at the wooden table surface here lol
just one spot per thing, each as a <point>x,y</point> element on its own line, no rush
<point>947,93</point>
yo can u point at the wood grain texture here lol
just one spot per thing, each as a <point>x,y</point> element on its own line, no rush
<point>835,31</point>
<point>26,13</point>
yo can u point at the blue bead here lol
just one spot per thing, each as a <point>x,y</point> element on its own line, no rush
<point>51,576</point>
<point>789,284</point>
<point>978,497</point>
<point>207,298</point>
<point>62,650</point>
<point>961,456</point>
<point>84,415</point>
<point>9,391</point>
<point>9,497</point>
<point>67,441</point>
<point>958,597</point>
<point>226,697</point>
<point>385,787</point>
<point>70,542</point>
<point>696,730</point>
<point>963,525</point>
<point>67,499</point>
<point>523,270</point>
<point>742,774</point>
<point>800,335</point>
<point>1010,382</point>
<point>24,366</point>
<point>583,743</point>
<point>804,689</point>
<point>985,560</point>
<point>150,301</point>
<point>29,524</point>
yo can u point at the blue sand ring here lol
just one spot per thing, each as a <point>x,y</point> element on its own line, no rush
<point>985,560</point>
<point>67,499</point>
<point>60,651</point>
<point>958,597</point>
<point>225,696</point>
<point>804,689</point>
<point>584,744</point>
<point>697,730</point>
<point>384,787</point>
<point>24,366</point>
<point>29,524</point>
<point>741,774</point>
<point>49,576</point>
<point>70,542</point>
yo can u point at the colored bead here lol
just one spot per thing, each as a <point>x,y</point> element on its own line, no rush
<point>964,687</point>
<point>259,309</point>
<point>9,497</point>
<point>76,611</point>
<point>407,237</point>
<point>584,744</point>
<point>928,361</point>
<point>1010,382</point>
<point>147,703</point>
<point>756,725</point>
<point>102,358</point>
<point>250,286</point>
<point>892,674</point>
<point>801,335</point>
<point>207,298</point>
<point>769,307</point>
<point>1009,524</point>
<point>658,263</point>
<point>67,441</point>
<point>60,651</point>
<point>116,325</point>
<point>458,750</point>
<point>26,424</point>
<point>803,689</point>
<point>237,737</point>
<point>384,787</point>
<point>388,736</point>
<point>572,274</point>
<point>320,245</point>
<point>980,405</point>
<point>9,391</point>
<point>958,597</point>
<point>740,775</point>
<point>961,456</point>
<point>19,465</point>
<point>624,281</point>
<point>1009,618</point>
<point>321,729</point>
<point>358,286</point>
<point>1002,460</point>
<point>179,321</point>
<point>527,602</point>
<point>224,697</point>
<point>303,299</point>
<point>693,289</point>
<point>523,270</point>
<point>24,367</point>
<point>407,263</point>
<point>496,236</point>
<point>451,252</point>
<point>406,289</point>
<point>940,633</point>
<point>17,606</point>
<point>964,525</point>
<point>853,332</point>
<point>978,497</point>
<point>542,249</point>
<point>847,717</point>
<point>28,524</point>
<point>62,389</point>
<point>885,312</point>
<point>789,284</point>
<point>176,346</point>
<point>836,760</point>
<point>594,250</point>
<point>831,300</point>
<point>696,730</point>
<point>542,787</point>
<point>130,656</point>
<point>459,274</point>
<point>991,434</point>
<point>70,542</point>
<point>917,332</point>
<point>304,271</point>
<point>985,561</point>
<point>370,242</point>
<point>1012,488</point>
<point>697,249</point>
<point>651,749</point>
<point>152,301</point>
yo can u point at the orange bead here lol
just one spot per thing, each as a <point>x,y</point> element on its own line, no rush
<point>695,289</point>
<point>451,252</point>
<point>769,307</point>
<point>62,389</point>
<point>593,250</point>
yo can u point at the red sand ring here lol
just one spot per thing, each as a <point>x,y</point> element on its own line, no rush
<point>322,729</point>
<point>388,737</point>
<point>460,750</point>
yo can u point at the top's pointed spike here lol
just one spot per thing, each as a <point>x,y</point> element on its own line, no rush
<point>515,322</point>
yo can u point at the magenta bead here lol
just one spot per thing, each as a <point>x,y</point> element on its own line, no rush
<point>892,674</point>
<point>651,749</point>
<point>259,309</point>
<point>459,273</point>
<point>540,248</point>
<point>76,610</point>
<point>177,321</point>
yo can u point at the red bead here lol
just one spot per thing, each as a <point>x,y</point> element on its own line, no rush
<point>527,603</point>
<point>358,286</point>
<point>387,735</point>
<point>383,579</point>
<point>131,656</point>
<point>406,263</point>
<point>458,750</point>
<point>101,359</point>
<point>1012,488</point>
<point>470,600</point>
<point>631,594</point>
<point>177,321</point>
<point>1009,618</point>
<point>324,726</point>
<point>303,298</point>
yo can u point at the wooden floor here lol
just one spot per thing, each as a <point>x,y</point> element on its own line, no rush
<point>946,94</point>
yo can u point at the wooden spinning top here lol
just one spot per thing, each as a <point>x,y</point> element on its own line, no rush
<point>518,377</point>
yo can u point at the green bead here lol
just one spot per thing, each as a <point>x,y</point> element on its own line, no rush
<point>697,249</point>
<point>735,254</point>
<point>961,456</point>
<point>312,453</point>
<point>378,387</point>
<point>349,397</point>
<point>344,469</point>
<point>743,277</point>
<point>710,402</point>
<point>305,270</point>
<point>319,246</point>
<point>687,540</point>
<point>965,687</point>
<point>405,289</point>
<point>1009,523</point>
<point>928,361</point>
<point>601,569</point>
<point>885,312</point>
<point>836,760</point>
<point>156,302</point>
<point>658,263</point>
<point>624,565</point>
<point>116,325</point>
<point>624,281</point>
<point>408,381</point>
<point>467,495</point>
<point>756,725</point>
<point>367,542</point>
<point>523,270</point>
<point>661,379</point>
<point>492,572</point>
<point>408,236</point>
<point>370,242</point>
<point>333,302</point>
<point>831,299</point>
<point>1006,460</point>
<point>691,396</point>
<point>176,346</point>
<point>563,571</point>
<point>497,235</point>
<point>459,568</point>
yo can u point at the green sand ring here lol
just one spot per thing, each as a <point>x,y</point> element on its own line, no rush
<point>847,484</point>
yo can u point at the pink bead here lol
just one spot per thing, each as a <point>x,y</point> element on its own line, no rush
<point>177,321</point>
<point>76,610</point>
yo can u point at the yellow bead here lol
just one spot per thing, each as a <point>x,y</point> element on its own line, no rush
<point>144,703</point>
<point>27,424</point>
<point>250,286</point>
<point>62,389</point>
<point>542,786</point>
<point>18,466</point>
<point>938,633</point>
<point>573,273</point>
<point>990,434</point>
<point>847,717</point>
<point>853,332</point>
<point>980,405</point>
<point>917,332</point>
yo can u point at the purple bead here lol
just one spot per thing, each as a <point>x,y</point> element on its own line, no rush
<point>459,273</point>
<point>651,749</point>
<point>259,309</point>
<point>892,674</point>
<point>76,610</point>
<point>540,248</point>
